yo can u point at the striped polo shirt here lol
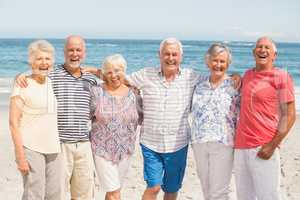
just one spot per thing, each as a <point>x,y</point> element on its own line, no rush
<point>166,106</point>
<point>73,104</point>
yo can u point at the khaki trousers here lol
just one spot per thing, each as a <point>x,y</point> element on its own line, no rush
<point>79,170</point>
<point>41,183</point>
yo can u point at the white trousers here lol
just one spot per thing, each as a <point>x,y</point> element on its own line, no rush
<point>214,163</point>
<point>256,179</point>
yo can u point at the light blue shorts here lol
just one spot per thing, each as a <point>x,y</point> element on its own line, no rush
<point>165,169</point>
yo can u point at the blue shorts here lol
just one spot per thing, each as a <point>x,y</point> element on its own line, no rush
<point>164,169</point>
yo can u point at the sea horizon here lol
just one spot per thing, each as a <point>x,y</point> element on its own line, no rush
<point>141,53</point>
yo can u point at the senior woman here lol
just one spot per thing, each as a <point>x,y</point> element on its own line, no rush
<point>114,112</point>
<point>213,119</point>
<point>33,126</point>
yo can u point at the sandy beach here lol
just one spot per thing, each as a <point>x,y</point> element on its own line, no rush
<point>11,181</point>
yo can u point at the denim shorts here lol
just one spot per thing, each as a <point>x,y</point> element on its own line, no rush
<point>164,169</point>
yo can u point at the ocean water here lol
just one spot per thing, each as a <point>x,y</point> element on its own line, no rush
<point>143,53</point>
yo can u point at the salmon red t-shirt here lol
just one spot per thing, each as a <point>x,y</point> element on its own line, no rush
<point>261,96</point>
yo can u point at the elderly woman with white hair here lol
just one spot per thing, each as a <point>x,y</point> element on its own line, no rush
<point>213,120</point>
<point>114,112</point>
<point>33,126</point>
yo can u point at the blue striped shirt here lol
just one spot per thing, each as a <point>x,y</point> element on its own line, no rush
<point>73,109</point>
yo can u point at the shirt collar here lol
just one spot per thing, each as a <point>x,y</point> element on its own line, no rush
<point>160,73</point>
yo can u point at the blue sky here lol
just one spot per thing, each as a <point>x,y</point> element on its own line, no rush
<point>152,19</point>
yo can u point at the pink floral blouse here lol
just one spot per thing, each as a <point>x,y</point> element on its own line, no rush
<point>114,123</point>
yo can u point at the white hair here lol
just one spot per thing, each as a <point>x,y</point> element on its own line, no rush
<point>168,41</point>
<point>40,46</point>
<point>217,48</point>
<point>267,38</point>
<point>114,60</point>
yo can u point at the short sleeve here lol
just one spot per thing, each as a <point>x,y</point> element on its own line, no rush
<point>92,90</point>
<point>137,79</point>
<point>17,91</point>
<point>195,76</point>
<point>286,88</point>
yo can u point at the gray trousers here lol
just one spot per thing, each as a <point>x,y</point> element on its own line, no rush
<point>43,182</point>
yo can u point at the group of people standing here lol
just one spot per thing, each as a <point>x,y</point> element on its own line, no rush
<point>228,127</point>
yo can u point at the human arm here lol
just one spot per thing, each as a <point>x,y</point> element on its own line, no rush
<point>93,70</point>
<point>15,114</point>
<point>139,104</point>
<point>286,121</point>
<point>21,79</point>
<point>237,80</point>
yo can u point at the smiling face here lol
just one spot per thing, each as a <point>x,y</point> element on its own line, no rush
<point>170,58</point>
<point>74,51</point>
<point>42,62</point>
<point>264,54</point>
<point>114,76</point>
<point>218,65</point>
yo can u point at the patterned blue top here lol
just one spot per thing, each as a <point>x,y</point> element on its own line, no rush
<point>214,112</point>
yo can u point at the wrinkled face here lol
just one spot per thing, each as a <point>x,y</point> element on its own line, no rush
<point>218,65</point>
<point>74,52</point>
<point>264,53</point>
<point>114,76</point>
<point>42,62</point>
<point>170,57</point>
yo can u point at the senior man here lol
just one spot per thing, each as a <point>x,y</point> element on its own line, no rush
<point>167,92</point>
<point>266,116</point>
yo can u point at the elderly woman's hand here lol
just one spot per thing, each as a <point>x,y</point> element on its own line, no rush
<point>23,166</point>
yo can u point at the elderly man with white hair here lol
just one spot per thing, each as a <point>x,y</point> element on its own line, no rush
<point>266,115</point>
<point>167,92</point>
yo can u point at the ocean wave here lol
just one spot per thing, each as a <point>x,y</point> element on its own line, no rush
<point>243,44</point>
<point>188,46</point>
<point>107,45</point>
<point>5,90</point>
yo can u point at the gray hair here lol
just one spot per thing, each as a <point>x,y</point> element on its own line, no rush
<point>168,41</point>
<point>114,60</point>
<point>74,37</point>
<point>40,46</point>
<point>267,38</point>
<point>217,48</point>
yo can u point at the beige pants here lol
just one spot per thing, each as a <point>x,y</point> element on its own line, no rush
<point>214,163</point>
<point>79,170</point>
<point>42,180</point>
<point>256,179</point>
